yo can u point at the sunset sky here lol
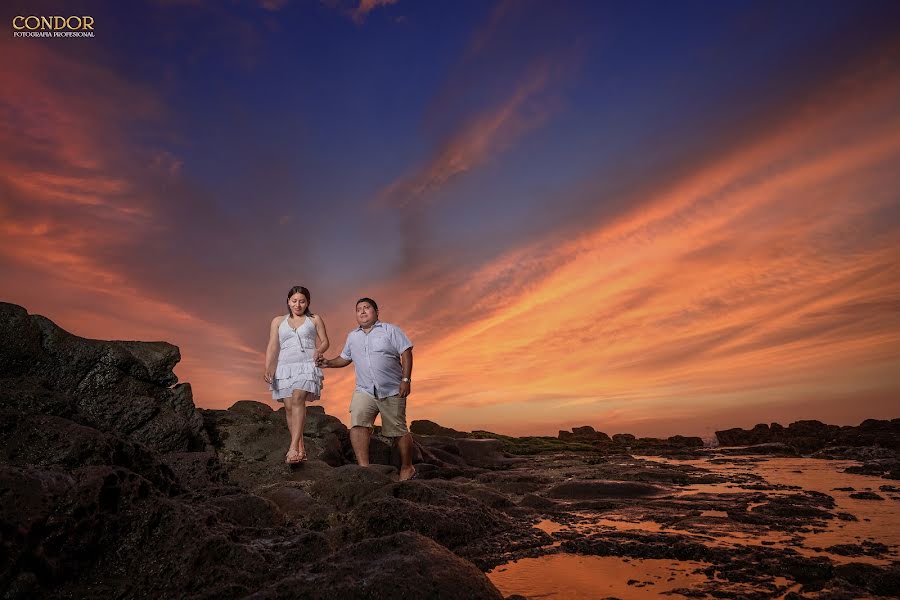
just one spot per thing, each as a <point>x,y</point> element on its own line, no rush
<point>649,217</point>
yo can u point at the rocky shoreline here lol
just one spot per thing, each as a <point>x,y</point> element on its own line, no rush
<point>115,485</point>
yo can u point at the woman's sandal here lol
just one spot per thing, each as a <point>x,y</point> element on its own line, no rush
<point>302,454</point>
<point>292,457</point>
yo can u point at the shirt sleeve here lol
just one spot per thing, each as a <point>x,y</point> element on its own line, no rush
<point>400,341</point>
<point>345,353</point>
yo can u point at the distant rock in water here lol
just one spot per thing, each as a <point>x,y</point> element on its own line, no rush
<point>628,443</point>
<point>811,436</point>
<point>584,433</point>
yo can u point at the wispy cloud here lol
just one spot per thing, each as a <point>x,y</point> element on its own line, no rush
<point>772,268</point>
<point>75,204</point>
<point>367,6</point>
<point>477,140</point>
<point>273,5</point>
<point>356,10</point>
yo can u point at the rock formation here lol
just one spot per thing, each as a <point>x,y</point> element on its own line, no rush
<point>114,485</point>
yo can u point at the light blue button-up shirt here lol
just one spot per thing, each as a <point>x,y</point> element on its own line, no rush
<point>376,358</point>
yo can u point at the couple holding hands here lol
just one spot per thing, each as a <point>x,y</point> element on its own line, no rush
<point>381,354</point>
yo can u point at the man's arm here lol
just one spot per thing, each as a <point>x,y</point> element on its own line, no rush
<point>342,360</point>
<point>334,363</point>
<point>406,363</point>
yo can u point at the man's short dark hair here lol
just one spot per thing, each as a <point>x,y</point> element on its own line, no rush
<point>370,301</point>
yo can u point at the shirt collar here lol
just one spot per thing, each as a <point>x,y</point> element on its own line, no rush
<point>374,325</point>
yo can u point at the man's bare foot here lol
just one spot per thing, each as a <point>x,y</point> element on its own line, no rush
<point>407,474</point>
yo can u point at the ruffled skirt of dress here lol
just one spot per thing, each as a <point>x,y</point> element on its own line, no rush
<point>304,375</point>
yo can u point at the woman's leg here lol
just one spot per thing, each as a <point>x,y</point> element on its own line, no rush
<point>298,419</point>
<point>288,412</point>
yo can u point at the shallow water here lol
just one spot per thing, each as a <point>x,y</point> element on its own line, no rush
<point>574,576</point>
<point>879,520</point>
<point>562,575</point>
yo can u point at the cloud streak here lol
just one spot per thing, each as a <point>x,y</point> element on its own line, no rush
<point>478,140</point>
<point>772,268</point>
<point>74,203</point>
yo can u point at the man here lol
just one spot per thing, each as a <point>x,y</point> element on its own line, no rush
<point>382,356</point>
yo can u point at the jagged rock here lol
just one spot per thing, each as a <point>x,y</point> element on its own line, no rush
<point>773,448</point>
<point>760,434</point>
<point>46,441</point>
<point>403,565</point>
<point>871,432</point>
<point>684,441</point>
<point>345,487</point>
<point>425,427</point>
<point>483,453</point>
<point>675,445</point>
<point>866,496</point>
<point>117,387</point>
<point>584,433</point>
<point>451,519</point>
<point>586,490</point>
<point>101,531</point>
<point>447,513</point>
<point>196,470</point>
<point>810,436</point>
<point>298,506</point>
<point>251,440</point>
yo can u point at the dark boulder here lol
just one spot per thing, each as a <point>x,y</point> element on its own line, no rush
<point>251,440</point>
<point>585,433</point>
<point>871,432</point>
<point>589,490</point>
<point>450,518</point>
<point>425,427</point>
<point>402,565</point>
<point>127,388</point>
<point>811,436</point>
<point>760,434</point>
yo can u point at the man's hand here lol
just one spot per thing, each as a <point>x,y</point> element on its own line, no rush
<point>321,361</point>
<point>405,388</point>
<point>333,363</point>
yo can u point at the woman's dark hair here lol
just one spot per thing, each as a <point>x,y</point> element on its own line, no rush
<point>370,301</point>
<point>299,289</point>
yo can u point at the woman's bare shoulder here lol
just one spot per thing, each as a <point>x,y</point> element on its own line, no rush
<point>276,319</point>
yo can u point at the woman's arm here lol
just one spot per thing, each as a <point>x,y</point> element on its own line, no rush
<point>272,350</point>
<point>322,335</point>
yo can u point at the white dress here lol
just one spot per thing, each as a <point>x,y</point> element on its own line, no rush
<point>296,368</point>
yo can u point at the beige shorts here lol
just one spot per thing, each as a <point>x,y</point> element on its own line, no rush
<point>364,407</point>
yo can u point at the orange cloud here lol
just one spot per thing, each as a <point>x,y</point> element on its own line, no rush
<point>68,204</point>
<point>769,273</point>
<point>367,6</point>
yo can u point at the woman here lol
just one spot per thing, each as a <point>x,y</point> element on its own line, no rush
<point>296,342</point>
